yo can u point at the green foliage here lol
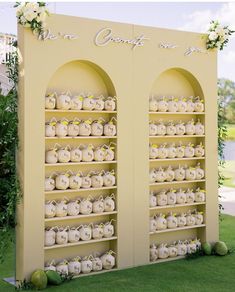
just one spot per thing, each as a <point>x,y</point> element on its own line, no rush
<point>195,255</point>
<point>36,25</point>
<point>9,191</point>
<point>221,40</point>
<point>222,133</point>
<point>226,88</point>
<point>24,286</point>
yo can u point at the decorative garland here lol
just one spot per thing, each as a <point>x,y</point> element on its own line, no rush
<point>218,36</point>
<point>32,15</point>
<point>222,134</point>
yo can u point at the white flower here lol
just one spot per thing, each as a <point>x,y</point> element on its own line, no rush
<point>213,36</point>
<point>41,17</point>
<point>30,10</point>
<point>220,31</point>
<point>32,6</point>
<point>23,20</point>
<point>30,15</point>
<point>221,39</point>
<point>19,10</point>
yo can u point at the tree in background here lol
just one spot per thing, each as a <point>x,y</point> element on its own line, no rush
<point>226,89</point>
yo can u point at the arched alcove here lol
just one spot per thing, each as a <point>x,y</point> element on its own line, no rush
<point>78,76</point>
<point>177,82</point>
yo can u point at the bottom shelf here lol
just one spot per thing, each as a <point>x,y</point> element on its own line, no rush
<point>95,273</point>
<point>116,269</point>
<point>158,261</point>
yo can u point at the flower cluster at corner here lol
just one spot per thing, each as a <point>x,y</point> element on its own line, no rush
<point>218,36</point>
<point>32,15</point>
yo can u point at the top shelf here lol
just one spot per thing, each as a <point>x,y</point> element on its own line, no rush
<point>79,111</point>
<point>177,113</point>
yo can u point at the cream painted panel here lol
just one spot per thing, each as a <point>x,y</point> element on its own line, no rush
<point>135,74</point>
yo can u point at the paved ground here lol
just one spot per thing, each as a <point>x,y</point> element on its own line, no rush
<point>228,200</point>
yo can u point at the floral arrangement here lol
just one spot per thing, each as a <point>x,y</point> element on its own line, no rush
<point>32,15</point>
<point>218,36</point>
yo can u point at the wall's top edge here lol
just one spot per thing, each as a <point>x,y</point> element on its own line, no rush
<point>125,23</point>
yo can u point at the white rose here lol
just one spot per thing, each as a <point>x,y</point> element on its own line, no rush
<point>213,36</point>
<point>41,17</point>
<point>32,6</point>
<point>19,11</point>
<point>30,15</point>
<point>22,20</point>
<point>220,31</point>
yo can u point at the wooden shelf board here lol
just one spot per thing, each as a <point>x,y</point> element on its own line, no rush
<point>81,137</point>
<point>95,273</point>
<point>79,111</point>
<point>80,163</point>
<point>79,190</point>
<point>158,261</point>
<point>79,216</point>
<point>178,136</point>
<point>177,113</point>
<point>176,206</point>
<point>176,159</point>
<point>177,182</point>
<point>80,243</point>
<point>177,229</point>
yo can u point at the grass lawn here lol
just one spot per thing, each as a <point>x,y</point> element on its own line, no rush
<point>205,274</point>
<point>229,173</point>
<point>231,132</point>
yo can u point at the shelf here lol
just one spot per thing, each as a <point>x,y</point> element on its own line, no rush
<point>81,137</point>
<point>79,111</point>
<point>95,273</point>
<point>80,163</point>
<point>79,243</point>
<point>79,216</point>
<point>178,136</point>
<point>79,190</point>
<point>177,113</point>
<point>177,229</point>
<point>177,182</point>
<point>176,159</point>
<point>158,261</point>
<point>176,206</point>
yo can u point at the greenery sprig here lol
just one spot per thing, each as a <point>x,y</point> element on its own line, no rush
<point>222,135</point>
<point>32,15</point>
<point>218,36</point>
<point>10,190</point>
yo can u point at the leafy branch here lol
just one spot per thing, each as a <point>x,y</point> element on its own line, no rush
<point>10,190</point>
